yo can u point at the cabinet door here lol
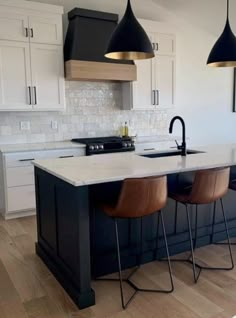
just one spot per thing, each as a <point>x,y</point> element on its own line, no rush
<point>144,87</point>
<point>165,43</point>
<point>165,81</point>
<point>47,77</point>
<point>13,26</point>
<point>47,30</point>
<point>21,198</point>
<point>14,76</point>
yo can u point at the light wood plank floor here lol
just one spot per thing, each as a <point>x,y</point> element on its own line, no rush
<point>28,289</point>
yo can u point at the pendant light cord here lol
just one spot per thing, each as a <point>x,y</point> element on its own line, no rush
<point>228,10</point>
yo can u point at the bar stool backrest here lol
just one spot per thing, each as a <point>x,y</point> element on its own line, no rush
<point>141,197</point>
<point>209,185</point>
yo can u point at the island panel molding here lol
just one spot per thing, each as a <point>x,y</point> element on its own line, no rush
<point>64,236</point>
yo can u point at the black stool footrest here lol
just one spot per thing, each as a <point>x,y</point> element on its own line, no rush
<point>135,287</point>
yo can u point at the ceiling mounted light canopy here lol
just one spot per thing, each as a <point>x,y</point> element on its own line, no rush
<point>223,53</point>
<point>129,41</point>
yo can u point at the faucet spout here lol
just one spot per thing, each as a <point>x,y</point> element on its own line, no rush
<point>183,146</point>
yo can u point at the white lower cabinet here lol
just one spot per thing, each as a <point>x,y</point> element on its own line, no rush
<point>19,176</point>
<point>17,190</point>
<point>20,198</point>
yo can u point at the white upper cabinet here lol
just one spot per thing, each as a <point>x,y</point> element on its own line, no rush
<point>165,81</point>
<point>31,56</point>
<point>47,77</point>
<point>165,44</point>
<point>15,77</point>
<point>46,30</point>
<point>13,26</point>
<point>145,82</point>
<point>155,85</point>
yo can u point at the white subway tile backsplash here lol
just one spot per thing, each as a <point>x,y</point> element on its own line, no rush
<point>93,109</point>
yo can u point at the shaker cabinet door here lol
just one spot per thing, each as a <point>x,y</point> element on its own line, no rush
<point>47,77</point>
<point>15,78</point>
<point>165,43</point>
<point>165,81</point>
<point>144,87</point>
<point>13,27</point>
<point>47,30</point>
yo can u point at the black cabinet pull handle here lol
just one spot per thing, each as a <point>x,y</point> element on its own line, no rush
<point>32,32</point>
<point>30,99</point>
<point>149,149</point>
<point>35,96</point>
<point>154,97</point>
<point>26,32</point>
<point>157,46</point>
<point>64,157</point>
<point>158,97</point>
<point>25,160</point>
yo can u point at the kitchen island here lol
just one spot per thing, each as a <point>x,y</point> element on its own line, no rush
<point>76,240</point>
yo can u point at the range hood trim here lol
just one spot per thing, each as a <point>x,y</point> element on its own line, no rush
<point>77,70</point>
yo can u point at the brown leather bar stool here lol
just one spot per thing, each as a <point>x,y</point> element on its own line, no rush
<point>208,187</point>
<point>139,198</point>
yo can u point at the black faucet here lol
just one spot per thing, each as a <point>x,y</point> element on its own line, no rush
<point>183,146</point>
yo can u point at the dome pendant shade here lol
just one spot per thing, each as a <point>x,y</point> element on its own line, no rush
<point>129,41</point>
<point>223,53</point>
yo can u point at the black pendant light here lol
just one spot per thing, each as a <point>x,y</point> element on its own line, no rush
<point>223,53</point>
<point>129,41</point>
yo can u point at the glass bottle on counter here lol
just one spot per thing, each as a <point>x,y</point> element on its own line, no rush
<point>126,130</point>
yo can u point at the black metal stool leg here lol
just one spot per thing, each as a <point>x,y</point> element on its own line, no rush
<point>167,251</point>
<point>195,275</point>
<point>227,233</point>
<point>213,224</point>
<point>191,258</point>
<point>157,235</point>
<point>127,280</point>
<point>124,305</point>
<point>219,243</point>
<point>196,227</point>
<point>176,217</point>
<point>229,245</point>
<point>169,265</point>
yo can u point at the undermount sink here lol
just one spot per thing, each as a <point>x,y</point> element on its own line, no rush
<point>170,154</point>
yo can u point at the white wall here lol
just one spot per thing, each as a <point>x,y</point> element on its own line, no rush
<point>204,95</point>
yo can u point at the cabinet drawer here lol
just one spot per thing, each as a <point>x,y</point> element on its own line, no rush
<point>22,159</point>
<point>20,176</point>
<point>21,198</point>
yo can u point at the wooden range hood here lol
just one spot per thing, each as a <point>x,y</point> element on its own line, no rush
<point>86,41</point>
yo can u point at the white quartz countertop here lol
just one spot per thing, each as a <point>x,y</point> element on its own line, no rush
<point>115,167</point>
<point>40,146</point>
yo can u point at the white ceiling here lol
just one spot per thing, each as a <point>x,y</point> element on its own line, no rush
<point>207,14</point>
